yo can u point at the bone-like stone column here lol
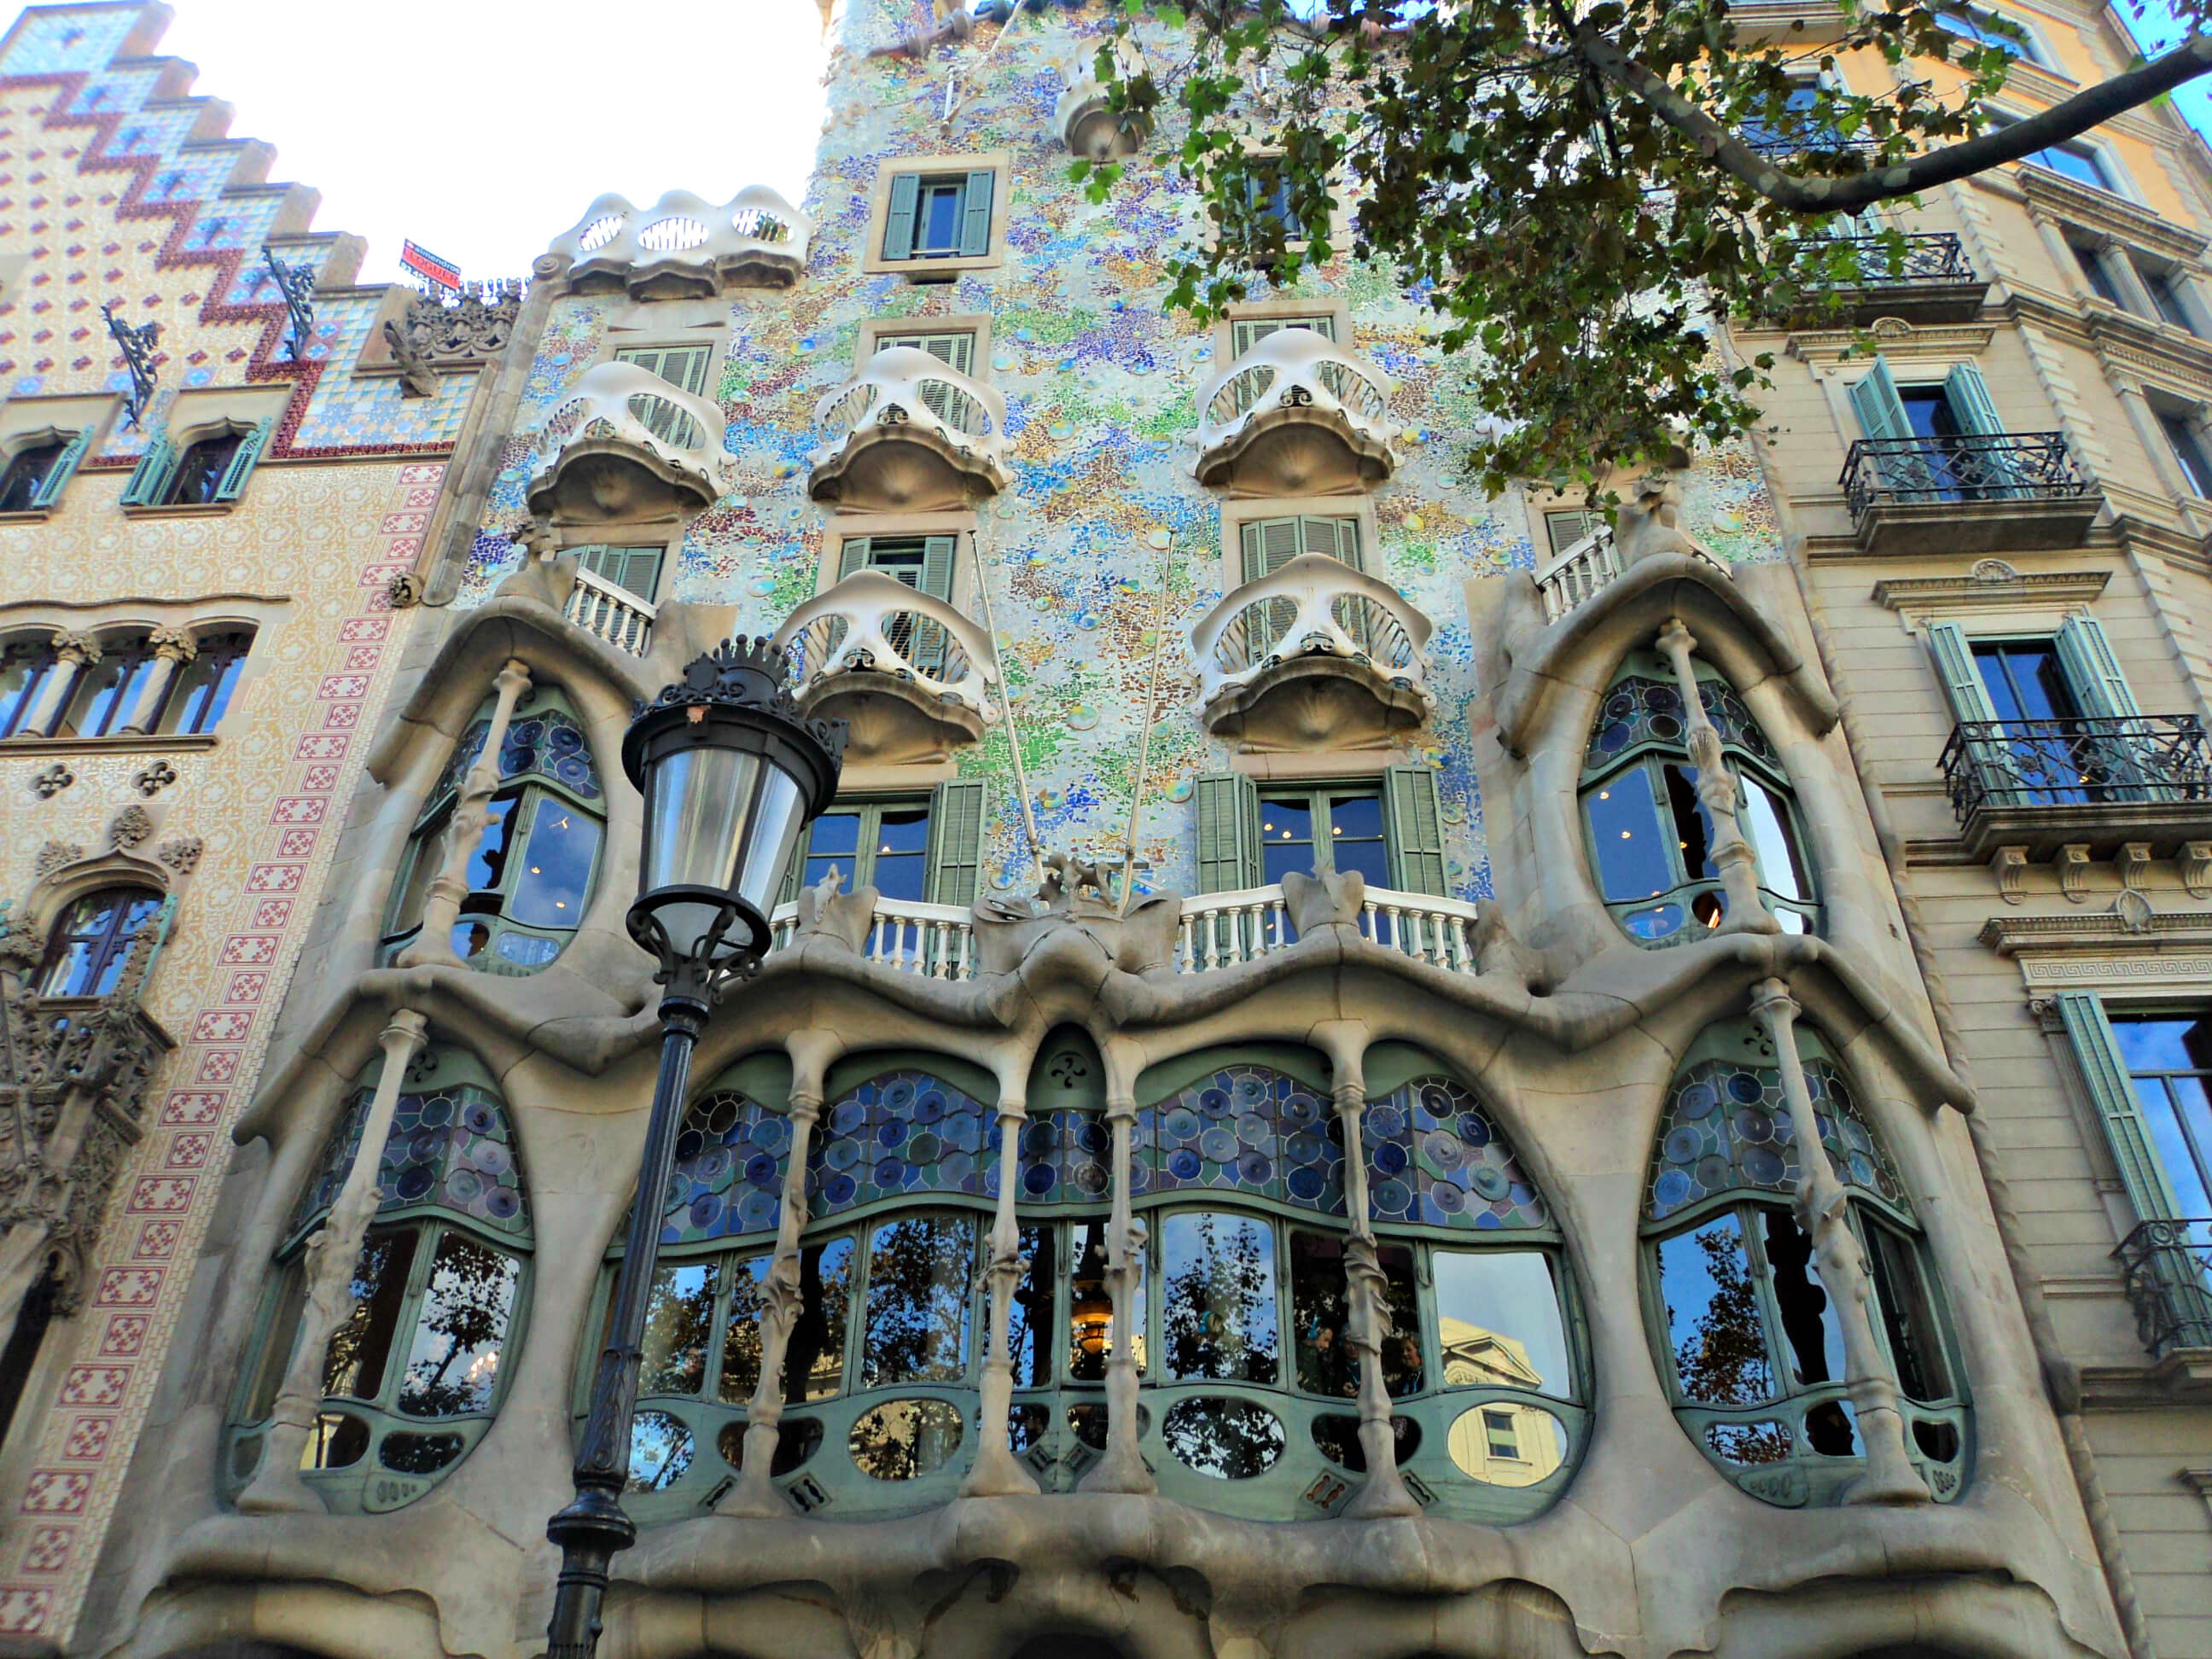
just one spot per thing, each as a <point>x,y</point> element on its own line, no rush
<point>442,904</point>
<point>782,1297</point>
<point>331,1255</point>
<point>76,652</point>
<point>996,1472</point>
<point>1367,1300</point>
<point>1122,1468</point>
<point>173,649</point>
<point>1890,1477</point>
<point>1739,865</point>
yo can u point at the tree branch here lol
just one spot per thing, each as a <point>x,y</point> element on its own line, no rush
<point>2012,143</point>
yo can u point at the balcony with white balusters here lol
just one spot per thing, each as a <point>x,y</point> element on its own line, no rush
<point>912,678</point>
<point>909,432</point>
<point>1297,415</point>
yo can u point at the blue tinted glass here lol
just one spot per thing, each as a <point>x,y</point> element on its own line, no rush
<point>1713,1320</point>
<point>939,230</point>
<point>556,867</point>
<point>1286,838</point>
<point>835,841</point>
<point>2075,163</point>
<point>1626,838</point>
<point>487,864</point>
<point>901,871</point>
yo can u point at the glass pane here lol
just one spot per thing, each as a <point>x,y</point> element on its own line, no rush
<point>1090,1307</point>
<point>487,864</point>
<point>1814,1341</point>
<point>556,867</point>
<point>414,886</point>
<point>901,835</point>
<point>1713,1321</point>
<point>1625,839</point>
<point>1498,1320</point>
<point>814,1354</point>
<point>1355,837</point>
<point>920,1271</point>
<point>1908,1316</point>
<point>453,1366</point>
<point>1030,1320</point>
<point>1767,821</point>
<point>204,690</point>
<point>20,673</point>
<point>1507,1445</point>
<point>108,693</point>
<point>1320,1316</point>
<point>905,1439</point>
<point>1692,824</point>
<point>1228,1439</point>
<point>354,1363</point>
<point>937,226</point>
<point>660,1450</point>
<point>1286,837</point>
<point>1217,1288</point>
<point>679,1319</point>
<point>2164,1042</point>
<point>835,841</point>
<point>741,1337</point>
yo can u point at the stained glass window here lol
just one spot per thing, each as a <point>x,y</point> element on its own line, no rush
<point>450,1149</point>
<point>1243,1129</point>
<point>731,1155</point>
<point>1434,1159</point>
<point>904,1133</point>
<point>1726,1128</point>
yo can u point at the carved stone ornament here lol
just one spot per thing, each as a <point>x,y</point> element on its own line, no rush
<point>53,855</point>
<point>173,644</point>
<point>73,646</point>
<point>417,379</point>
<point>2073,872</point>
<point>52,781</point>
<point>825,913</point>
<point>151,779</point>
<point>2009,865</point>
<point>2133,861</point>
<point>1994,570</point>
<point>2134,911</point>
<point>403,592</point>
<point>130,827</point>
<point>181,854</point>
<point>471,328</point>
<point>2194,862</point>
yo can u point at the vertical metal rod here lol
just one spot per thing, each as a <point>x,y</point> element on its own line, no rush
<point>593,1529</point>
<point>1006,703</point>
<point>1152,719</point>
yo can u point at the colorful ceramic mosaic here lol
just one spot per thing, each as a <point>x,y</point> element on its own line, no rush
<point>903,1132</point>
<point>1639,711</point>
<point>1434,1159</point>
<point>1067,1158</point>
<point>1727,1129</point>
<point>1245,1129</point>
<point>450,1149</point>
<point>730,1155</point>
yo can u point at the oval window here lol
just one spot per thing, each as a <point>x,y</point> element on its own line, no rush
<point>659,1451</point>
<point>905,1439</point>
<point>1505,1443</point>
<point>797,1439</point>
<point>1089,1422</point>
<point>1337,1439</point>
<point>1228,1439</point>
<point>419,1454</point>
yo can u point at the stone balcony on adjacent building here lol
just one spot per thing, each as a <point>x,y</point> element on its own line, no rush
<point>625,444</point>
<point>1927,280</point>
<point>1314,655</point>
<point>1296,414</point>
<point>1967,493</point>
<point>911,677</point>
<point>1088,123</point>
<point>2097,784</point>
<point>685,247</point>
<point>911,434</point>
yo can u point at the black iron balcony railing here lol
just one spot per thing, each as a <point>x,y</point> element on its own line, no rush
<point>1995,466</point>
<point>2074,762</point>
<point>2168,1268</point>
<point>1927,258</point>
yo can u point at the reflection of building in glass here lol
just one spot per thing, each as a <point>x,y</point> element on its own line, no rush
<point>1557,948</point>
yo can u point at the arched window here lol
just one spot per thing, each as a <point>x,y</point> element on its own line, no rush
<point>413,1377</point>
<point>1651,840</point>
<point>28,668</point>
<point>531,872</point>
<point>90,946</point>
<point>203,468</point>
<point>201,692</point>
<point>107,693</point>
<point>1753,1353</point>
<point>36,472</point>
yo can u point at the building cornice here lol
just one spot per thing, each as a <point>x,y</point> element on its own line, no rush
<point>1993,584</point>
<point>1824,349</point>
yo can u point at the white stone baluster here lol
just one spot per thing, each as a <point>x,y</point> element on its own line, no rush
<point>331,1255</point>
<point>1822,1204</point>
<point>441,905</point>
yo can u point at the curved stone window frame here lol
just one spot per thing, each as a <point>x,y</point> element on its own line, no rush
<point>1768,1444</point>
<point>421,1249</point>
<point>503,928</point>
<point>1646,785</point>
<point>90,942</point>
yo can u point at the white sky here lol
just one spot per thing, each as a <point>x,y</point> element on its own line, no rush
<point>483,130</point>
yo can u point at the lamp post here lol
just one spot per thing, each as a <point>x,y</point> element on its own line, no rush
<point>731,774</point>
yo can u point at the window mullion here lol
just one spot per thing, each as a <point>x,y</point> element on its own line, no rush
<point>1750,1217</point>
<point>432,1235</point>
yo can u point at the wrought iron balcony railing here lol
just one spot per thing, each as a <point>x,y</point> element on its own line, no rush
<point>2168,1268</point>
<point>1995,466</point>
<point>1928,258</point>
<point>2014,764</point>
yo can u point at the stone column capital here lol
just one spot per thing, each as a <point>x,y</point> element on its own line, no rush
<point>1771,1001</point>
<point>75,647</point>
<point>173,644</point>
<point>1675,637</point>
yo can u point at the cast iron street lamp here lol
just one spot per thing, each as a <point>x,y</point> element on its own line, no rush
<point>731,775</point>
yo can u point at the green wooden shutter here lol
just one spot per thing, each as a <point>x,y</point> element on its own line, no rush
<point>64,467</point>
<point>975,222</point>
<point>1874,400</point>
<point>2106,1075</point>
<point>1984,471</point>
<point>852,556</point>
<point>1415,824</point>
<point>151,476</point>
<point>1269,545</point>
<point>1228,832</point>
<point>936,565</point>
<point>159,927</point>
<point>1971,406</point>
<point>898,224</point>
<point>241,464</point>
<point>636,569</point>
<point>1954,666</point>
<point>1338,538</point>
<point>2093,669</point>
<point>955,842</point>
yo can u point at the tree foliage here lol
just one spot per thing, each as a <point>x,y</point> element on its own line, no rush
<point>1579,189</point>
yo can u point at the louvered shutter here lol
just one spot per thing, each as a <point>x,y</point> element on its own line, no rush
<point>1338,538</point>
<point>976,220</point>
<point>899,223</point>
<point>1987,751</point>
<point>64,467</point>
<point>1984,469</point>
<point>955,842</point>
<point>1968,395</point>
<point>151,476</point>
<point>241,462</point>
<point>2112,756</point>
<point>1874,400</point>
<point>2105,1074</point>
<point>1415,824</point>
<point>936,565</point>
<point>1269,545</point>
<point>1228,805</point>
<point>636,569</point>
<point>852,556</point>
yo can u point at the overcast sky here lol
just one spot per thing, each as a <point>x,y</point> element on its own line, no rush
<point>484,130</point>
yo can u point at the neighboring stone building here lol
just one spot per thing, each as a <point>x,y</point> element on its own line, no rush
<point>1396,945</point>
<point>196,642</point>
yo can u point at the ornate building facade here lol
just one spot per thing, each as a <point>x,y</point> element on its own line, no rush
<point>1279,1120</point>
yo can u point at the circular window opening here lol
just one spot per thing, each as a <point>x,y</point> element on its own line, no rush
<point>905,1439</point>
<point>1228,1439</point>
<point>1505,1443</point>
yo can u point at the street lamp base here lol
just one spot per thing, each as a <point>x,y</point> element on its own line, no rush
<point>591,1530</point>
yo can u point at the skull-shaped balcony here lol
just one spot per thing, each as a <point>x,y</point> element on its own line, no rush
<point>1088,122</point>
<point>684,247</point>
<point>625,444</point>
<point>1296,415</point>
<point>1313,655</point>
<point>911,677</point>
<point>909,433</point>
